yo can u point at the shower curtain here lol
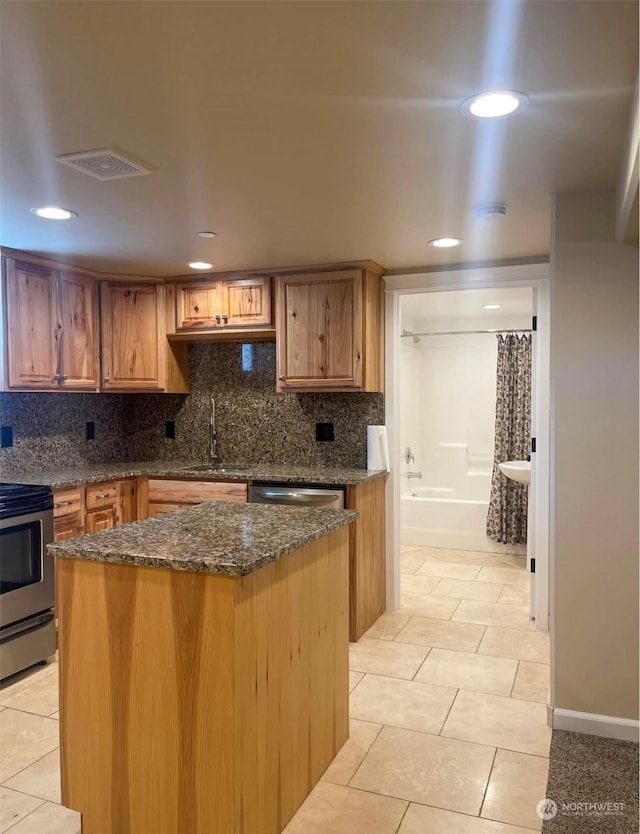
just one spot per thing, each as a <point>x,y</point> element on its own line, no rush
<point>507,516</point>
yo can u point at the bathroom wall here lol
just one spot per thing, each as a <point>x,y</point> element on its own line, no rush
<point>449,411</point>
<point>254,423</point>
<point>448,386</point>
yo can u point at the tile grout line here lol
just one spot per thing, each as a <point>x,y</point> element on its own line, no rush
<point>22,819</point>
<point>486,788</point>
<point>26,767</point>
<point>27,712</point>
<point>404,814</point>
<point>515,677</point>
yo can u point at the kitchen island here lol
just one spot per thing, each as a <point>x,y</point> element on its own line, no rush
<point>203,667</point>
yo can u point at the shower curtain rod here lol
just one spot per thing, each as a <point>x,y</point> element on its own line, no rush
<point>406,334</point>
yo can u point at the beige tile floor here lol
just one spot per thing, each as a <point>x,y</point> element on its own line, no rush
<point>448,729</point>
<point>448,719</point>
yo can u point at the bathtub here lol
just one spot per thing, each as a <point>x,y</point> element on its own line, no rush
<point>436,517</point>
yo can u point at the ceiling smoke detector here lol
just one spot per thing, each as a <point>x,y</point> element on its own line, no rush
<point>490,211</point>
<point>105,164</point>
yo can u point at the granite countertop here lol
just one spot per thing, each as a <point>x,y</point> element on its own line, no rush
<point>63,477</point>
<point>222,538</point>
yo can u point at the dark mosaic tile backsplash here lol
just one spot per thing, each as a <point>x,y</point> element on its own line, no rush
<point>255,425</point>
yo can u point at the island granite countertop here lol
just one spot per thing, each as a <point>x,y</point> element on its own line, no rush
<point>222,538</point>
<point>64,477</point>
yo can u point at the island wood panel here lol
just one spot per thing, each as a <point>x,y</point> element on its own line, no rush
<point>291,715</point>
<point>201,704</point>
<point>195,492</point>
<point>367,553</point>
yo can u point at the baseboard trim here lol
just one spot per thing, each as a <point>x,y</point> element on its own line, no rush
<point>625,729</point>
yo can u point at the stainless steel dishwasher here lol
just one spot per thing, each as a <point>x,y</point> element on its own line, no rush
<point>298,495</point>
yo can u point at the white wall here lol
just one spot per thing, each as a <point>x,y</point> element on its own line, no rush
<point>447,394</point>
<point>453,383</point>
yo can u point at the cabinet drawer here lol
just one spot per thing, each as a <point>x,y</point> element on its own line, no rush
<point>101,495</point>
<point>195,492</point>
<point>67,501</point>
<point>161,509</point>
<point>68,527</point>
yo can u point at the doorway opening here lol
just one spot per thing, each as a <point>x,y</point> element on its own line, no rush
<point>445,335</point>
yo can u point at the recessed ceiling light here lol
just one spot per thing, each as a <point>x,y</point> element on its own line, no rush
<point>490,306</point>
<point>54,213</point>
<point>206,234</point>
<point>492,105</point>
<point>445,242</point>
<point>200,265</point>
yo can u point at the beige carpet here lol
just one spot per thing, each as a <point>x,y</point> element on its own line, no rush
<point>594,783</point>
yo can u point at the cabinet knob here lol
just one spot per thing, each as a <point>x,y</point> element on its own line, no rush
<point>63,503</point>
<point>225,319</point>
<point>107,378</point>
<point>218,318</point>
<point>281,377</point>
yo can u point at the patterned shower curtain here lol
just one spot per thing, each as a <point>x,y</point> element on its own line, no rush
<point>507,516</point>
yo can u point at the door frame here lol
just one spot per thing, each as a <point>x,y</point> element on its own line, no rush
<point>537,277</point>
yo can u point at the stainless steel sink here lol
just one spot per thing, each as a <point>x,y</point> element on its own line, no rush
<point>211,467</point>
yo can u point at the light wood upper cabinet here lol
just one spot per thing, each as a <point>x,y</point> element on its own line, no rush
<point>247,301</point>
<point>30,321</point>
<point>77,330</point>
<point>218,308</point>
<point>51,320</point>
<point>136,355</point>
<point>328,332</point>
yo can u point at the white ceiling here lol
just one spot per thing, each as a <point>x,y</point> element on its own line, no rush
<point>306,132</point>
<point>439,310</point>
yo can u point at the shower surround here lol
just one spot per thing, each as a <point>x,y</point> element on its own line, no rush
<point>254,424</point>
<point>448,398</point>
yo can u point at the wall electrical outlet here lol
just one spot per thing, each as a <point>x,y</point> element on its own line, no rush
<point>90,433</point>
<point>170,429</point>
<point>324,431</point>
<point>6,436</point>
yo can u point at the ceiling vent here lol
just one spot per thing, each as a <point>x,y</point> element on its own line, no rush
<point>491,211</point>
<point>105,164</point>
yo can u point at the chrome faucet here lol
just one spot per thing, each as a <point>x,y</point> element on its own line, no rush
<point>409,457</point>
<point>213,438</point>
<point>414,475</point>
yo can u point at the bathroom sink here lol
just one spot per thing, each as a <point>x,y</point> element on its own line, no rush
<point>517,470</point>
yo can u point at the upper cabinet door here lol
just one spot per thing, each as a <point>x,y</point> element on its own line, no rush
<point>199,306</point>
<point>32,359</point>
<point>133,349</point>
<point>319,331</point>
<point>77,331</point>
<point>247,301</point>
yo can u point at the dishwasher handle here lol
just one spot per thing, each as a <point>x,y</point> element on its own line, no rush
<point>298,499</point>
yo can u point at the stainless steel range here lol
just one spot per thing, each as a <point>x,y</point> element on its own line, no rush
<point>27,630</point>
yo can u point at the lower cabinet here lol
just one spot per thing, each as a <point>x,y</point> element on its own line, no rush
<point>93,508</point>
<point>167,495</point>
<point>367,556</point>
